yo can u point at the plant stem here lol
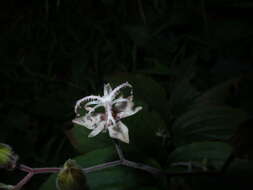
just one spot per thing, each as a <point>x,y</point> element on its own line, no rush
<point>141,166</point>
<point>23,181</point>
<point>102,166</point>
<point>25,168</point>
<point>122,161</point>
<point>136,165</point>
<point>45,170</point>
<point>119,150</point>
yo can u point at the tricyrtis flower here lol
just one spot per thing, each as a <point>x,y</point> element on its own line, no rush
<point>115,108</point>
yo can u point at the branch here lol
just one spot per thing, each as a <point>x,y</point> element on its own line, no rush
<point>136,165</point>
<point>119,150</point>
<point>122,161</point>
<point>156,171</point>
<point>102,166</point>
<point>45,170</point>
<point>141,166</point>
<point>23,181</point>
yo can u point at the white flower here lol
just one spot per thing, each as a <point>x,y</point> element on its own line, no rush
<point>115,108</point>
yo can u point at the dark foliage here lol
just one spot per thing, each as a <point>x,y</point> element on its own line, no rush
<point>190,62</point>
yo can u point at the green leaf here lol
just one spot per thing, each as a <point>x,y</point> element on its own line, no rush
<point>115,178</point>
<point>217,95</point>
<point>207,123</point>
<point>182,97</point>
<point>143,128</point>
<point>209,154</point>
<point>78,136</point>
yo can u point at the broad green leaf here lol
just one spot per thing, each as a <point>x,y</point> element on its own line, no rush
<point>207,123</point>
<point>208,154</point>
<point>78,136</point>
<point>217,95</point>
<point>143,128</point>
<point>115,178</point>
<point>182,97</point>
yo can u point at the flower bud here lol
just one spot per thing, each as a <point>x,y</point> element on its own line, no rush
<point>6,187</point>
<point>71,177</point>
<point>8,158</point>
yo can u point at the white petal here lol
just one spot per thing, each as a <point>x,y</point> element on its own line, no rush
<point>120,103</point>
<point>97,130</point>
<point>128,112</point>
<point>116,90</point>
<point>94,108</point>
<point>119,131</point>
<point>87,98</point>
<point>90,105</point>
<point>107,89</point>
<point>84,121</point>
<point>88,121</point>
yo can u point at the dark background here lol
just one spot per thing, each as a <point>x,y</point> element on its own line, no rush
<point>55,52</point>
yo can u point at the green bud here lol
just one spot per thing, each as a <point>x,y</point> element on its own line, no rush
<point>6,187</point>
<point>8,158</point>
<point>71,177</point>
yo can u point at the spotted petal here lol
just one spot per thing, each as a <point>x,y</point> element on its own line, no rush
<point>127,109</point>
<point>119,131</point>
<point>87,121</point>
<point>99,128</point>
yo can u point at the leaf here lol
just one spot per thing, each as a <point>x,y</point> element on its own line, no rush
<point>207,123</point>
<point>143,128</point>
<point>211,153</point>
<point>115,178</point>
<point>219,94</point>
<point>182,97</point>
<point>78,137</point>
